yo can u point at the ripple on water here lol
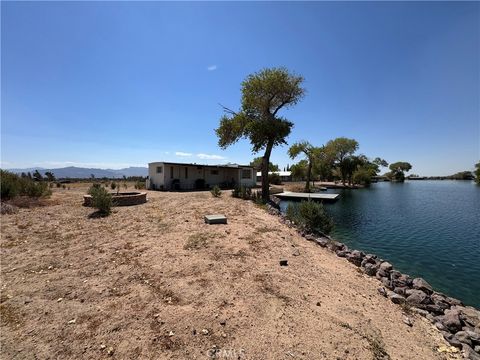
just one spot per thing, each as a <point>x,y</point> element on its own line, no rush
<point>425,228</point>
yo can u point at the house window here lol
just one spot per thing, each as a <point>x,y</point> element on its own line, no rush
<point>171,172</point>
<point>246,174</point>
<point>186,173</point>
<point>214,172</point>
<point>159,169</point>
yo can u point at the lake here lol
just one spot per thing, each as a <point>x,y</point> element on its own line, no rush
<point>428,229</point>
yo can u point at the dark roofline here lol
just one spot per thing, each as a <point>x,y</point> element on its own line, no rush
<point>233,166</point>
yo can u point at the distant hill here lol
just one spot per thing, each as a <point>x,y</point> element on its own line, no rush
<point>83,173</point>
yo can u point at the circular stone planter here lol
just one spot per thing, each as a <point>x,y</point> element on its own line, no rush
<point>121,199</point>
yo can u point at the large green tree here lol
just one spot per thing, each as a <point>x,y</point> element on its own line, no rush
<point>257,162</point>
<point>342,150</point>
<point>264,94</point>
<point>299,170</point>
<point>311,154</point>
<point>398,170</point>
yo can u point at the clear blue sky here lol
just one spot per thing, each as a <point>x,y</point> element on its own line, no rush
<point>107,84</point>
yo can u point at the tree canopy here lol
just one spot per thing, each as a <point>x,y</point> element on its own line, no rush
<point>398,170</point>
<point>257,162</point>
<point>342,150</point>
<point>477,173</point>
<point>310,153</point>
<point>264,94</point>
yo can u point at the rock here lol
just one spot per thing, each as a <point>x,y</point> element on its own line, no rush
<point>110,351</point>
<point>395,298</point>
<point>463,337</point>
<point>382,291</point>
<point>386,283</point>
<point>73,321</point>
<point>470,353</point>
<point>205,331</point>
<point>401,281</point>
<point>356,257</point>
<point>322,242</point>
<point>386,266</point>
<point>400,290</point>
<point>382,274</point>
<point>430,317</point>
<point>451,320</point>
<point>474,336</point>
<point>416,297</point>
<point>453,301</point>
<point>283,262</point>
<point>296,252</point>
<point>335,245</point>
<point>452,340</point>
<point>394,274</point>
<point>421,312</point>
<point>477,349</point>
<point>440,326</point>
<point>223,322</point>
<point>370,269</point>
<point>439,301</point>
<point>171,333</point>
<point>434,309</point>
<point>470,315</point>
<point>341,253</point>
<point>310,237</point>
<point>408,321</point>
<point>421,284</point>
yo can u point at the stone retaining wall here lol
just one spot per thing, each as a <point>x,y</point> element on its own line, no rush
<point>125,199</point>
<point>459,324</point>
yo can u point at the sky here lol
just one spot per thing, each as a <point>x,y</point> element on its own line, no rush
<point>116,84</point>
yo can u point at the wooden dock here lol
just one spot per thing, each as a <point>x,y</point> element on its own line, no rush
<point>287,195</point>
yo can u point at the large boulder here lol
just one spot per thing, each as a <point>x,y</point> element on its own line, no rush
<point>335,245</point>
<point>469,315</point>
<point>416,297</point>
<point>370,269</point>
<point>451,320</point>
<point>323,242</point>
<point>356,257</point>
<point>463,337</point>
<point>421,284</point>
<point>396,298</point>
<point>386,266</point>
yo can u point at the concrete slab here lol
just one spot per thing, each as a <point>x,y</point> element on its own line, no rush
<point>215,219</point>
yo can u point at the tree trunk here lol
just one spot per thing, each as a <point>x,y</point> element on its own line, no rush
<point>309,175</point>
<point>266,161</point>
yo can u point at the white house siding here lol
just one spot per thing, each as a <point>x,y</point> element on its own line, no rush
<point>211,174</point>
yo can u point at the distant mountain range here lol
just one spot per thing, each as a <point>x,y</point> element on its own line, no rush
<point>83,173</point>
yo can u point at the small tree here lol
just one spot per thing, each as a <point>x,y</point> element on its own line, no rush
<point>264,94</point>
<point>37,176</point>
<point>216,192</point>
<point>101,199</point>
<point>50,176</point>
<point>257,164</point>
<point>398,170</point>
<point>310,153</point>
<point>311,216</point>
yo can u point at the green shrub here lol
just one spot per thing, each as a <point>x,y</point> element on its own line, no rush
<point>311,216</point>
<point>242,192</point>
<point>140,185</point>
<point>13,185</point>
<point>216,192</point>
<point>101,199</point>
<point>274,179</point>
<point>113,185</point>
<point>362,176</point>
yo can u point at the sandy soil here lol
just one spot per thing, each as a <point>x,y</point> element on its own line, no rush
<point>155,282</point>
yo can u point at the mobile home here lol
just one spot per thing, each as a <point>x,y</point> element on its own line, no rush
<point>179,176</point>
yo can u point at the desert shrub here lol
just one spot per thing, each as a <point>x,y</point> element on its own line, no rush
<point>311,216</point>
<point>140,185</point>
<point>101,199</point>
<point>58,184</point>
<point>216,192</point>
<point>242,192</point>
<point>274,179</point>
<point>13,185</point>
<point>113,185</point>
<point>8,209</point>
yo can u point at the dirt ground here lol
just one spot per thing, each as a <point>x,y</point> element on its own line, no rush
<point>155,282</point>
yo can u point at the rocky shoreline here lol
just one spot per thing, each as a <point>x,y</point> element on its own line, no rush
<point>459,324</point>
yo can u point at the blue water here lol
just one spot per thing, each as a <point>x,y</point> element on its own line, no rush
<point>424,228</point>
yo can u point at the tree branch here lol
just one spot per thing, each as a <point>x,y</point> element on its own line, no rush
<point>227,110</point>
